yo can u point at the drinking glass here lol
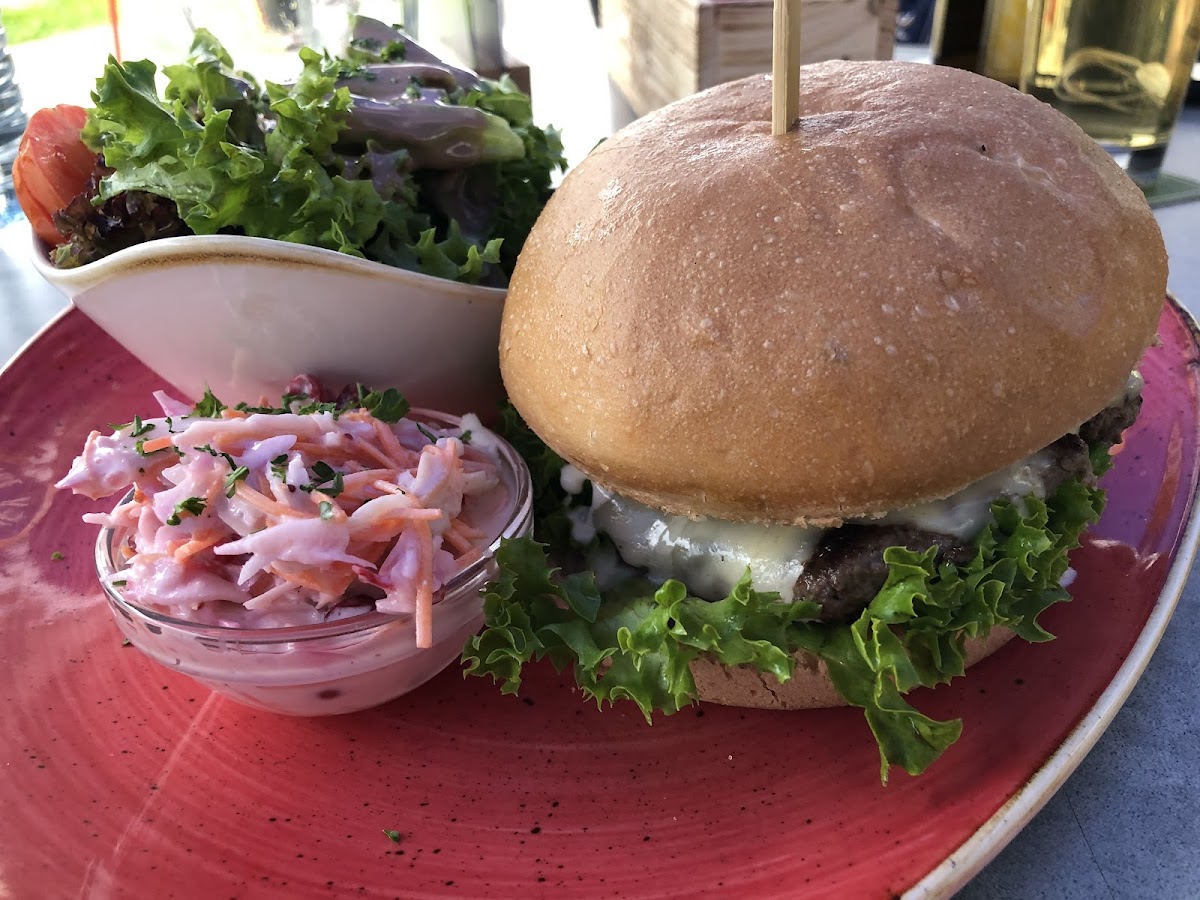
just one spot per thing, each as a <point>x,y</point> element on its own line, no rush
<point>1119,68</point>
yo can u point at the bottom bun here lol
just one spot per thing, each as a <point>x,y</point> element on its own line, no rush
<point>808,688</point>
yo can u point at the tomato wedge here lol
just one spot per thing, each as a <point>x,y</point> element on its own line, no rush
<point>52,166</point>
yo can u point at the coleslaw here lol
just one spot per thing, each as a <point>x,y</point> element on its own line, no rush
<point>262,517</point>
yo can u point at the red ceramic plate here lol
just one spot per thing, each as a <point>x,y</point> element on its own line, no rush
<point>123,779</point>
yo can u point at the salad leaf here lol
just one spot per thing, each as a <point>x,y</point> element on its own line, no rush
<point>440,258</point>
<point>218,153</point>
<point>185,148</point>
<point>93,232</point>
<point>636,641</point>
<point>524,184</point>
<point>551,523</point>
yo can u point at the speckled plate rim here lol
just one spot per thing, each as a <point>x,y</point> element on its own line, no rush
<point>993,835</point>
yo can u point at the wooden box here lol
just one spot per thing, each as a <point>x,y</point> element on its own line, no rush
<point>661,50</point>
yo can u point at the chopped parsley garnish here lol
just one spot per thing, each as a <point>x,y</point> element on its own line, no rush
<point>279,466</point>
<point>191,506</point>
<point>232,479</point>
<point>120,583</point>
<point>127,642</point>
<point>291,404</point>
<point>139,429</point>
<point>56,555</point>
<point>387,406</point>
<point>324,474</point>
<point>392,835</point>
<point>207,448</point>
<point>465,437</point>
<point>377,50</point>
<point>393,51</point>
<point>326,509</point>
<point>209,406</point>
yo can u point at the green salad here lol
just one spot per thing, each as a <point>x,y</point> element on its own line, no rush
<point>386,153</point>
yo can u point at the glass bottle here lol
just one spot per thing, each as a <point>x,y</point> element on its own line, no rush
<point>12,118</point>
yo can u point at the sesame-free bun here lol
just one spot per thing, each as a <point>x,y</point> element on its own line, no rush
<point>930,277</point>
<point>808,688</point>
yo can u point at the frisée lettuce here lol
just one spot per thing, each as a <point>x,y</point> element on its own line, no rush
<point>444,177</point>
<point>636,641</point>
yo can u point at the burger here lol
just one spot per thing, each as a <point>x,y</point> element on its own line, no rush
<point>818,417</point>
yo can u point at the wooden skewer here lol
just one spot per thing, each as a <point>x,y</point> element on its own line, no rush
<point>785,66</point>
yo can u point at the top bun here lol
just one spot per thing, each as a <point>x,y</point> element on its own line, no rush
<point>929,278</point>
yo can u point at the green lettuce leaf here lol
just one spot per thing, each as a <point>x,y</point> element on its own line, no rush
<point>636,641</point>
<point>234,157</point>
<point>190,148</point>
<point>524,184</point>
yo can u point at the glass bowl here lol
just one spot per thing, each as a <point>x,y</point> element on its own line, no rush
<point>338,666</point>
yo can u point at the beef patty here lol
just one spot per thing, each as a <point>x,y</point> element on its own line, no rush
<point>847,569</point>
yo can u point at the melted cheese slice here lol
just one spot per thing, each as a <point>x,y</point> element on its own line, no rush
<point>711,555</point>
<point>964,514</point>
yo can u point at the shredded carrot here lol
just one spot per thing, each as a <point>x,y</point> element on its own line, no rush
<point>263,503</point>
<point>336,513</point>
<point>389,487</point>
<point>187,549</point>
<point>340,452</point>
<point>156,444</point>
<point>230,413</point>
<point>395,521</point>
<point>391,445</point>
<point>356,480</point>
<point>456,540</point>
<point>462,528</point>
<point>372,551</point>
<point>376,454</point>
<point>475,553</point>
<point>424,611</point>
<point>333,580</point>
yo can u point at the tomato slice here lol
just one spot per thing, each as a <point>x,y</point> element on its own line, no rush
<point>52,166</point>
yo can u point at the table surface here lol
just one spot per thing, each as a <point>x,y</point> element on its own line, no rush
<point>1124,825</point>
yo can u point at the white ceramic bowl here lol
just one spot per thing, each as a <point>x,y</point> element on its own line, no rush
<point>243,315</point>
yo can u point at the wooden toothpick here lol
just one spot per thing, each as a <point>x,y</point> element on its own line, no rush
<point>785,66</point>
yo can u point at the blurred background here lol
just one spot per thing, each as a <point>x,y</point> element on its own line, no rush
<point>592,65</point>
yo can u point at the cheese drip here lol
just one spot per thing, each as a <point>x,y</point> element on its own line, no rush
<point>711,555</point>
